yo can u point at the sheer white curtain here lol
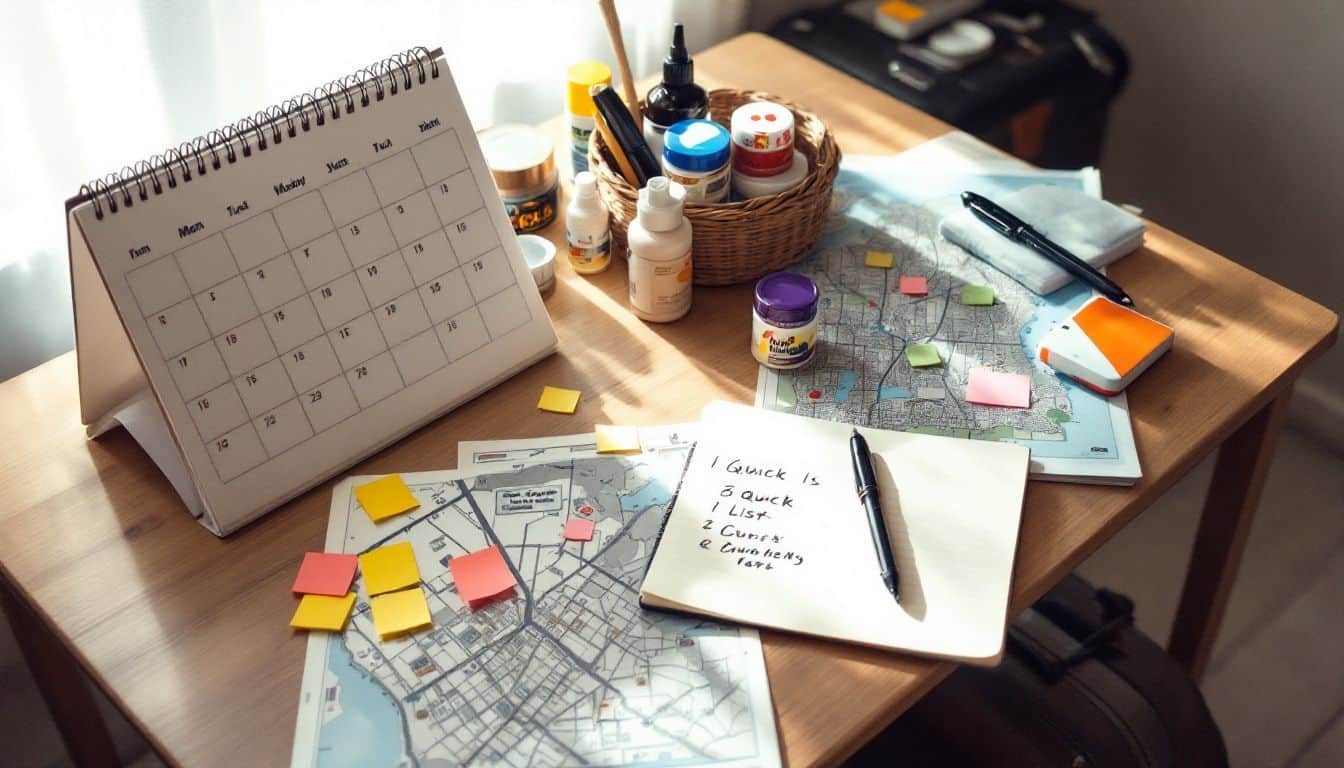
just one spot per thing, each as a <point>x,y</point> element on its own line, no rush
<point>94,86</point>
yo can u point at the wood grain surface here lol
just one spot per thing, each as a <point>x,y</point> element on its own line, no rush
<point>188,633</point>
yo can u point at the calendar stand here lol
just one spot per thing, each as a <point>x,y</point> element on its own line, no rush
<point>260,325</point>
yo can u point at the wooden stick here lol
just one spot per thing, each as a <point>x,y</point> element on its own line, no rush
<point>622,61</point>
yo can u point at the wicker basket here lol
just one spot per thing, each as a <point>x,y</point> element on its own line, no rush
<point>738,242</point>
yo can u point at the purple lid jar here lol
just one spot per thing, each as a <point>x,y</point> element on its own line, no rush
<point>786,299</point>
<point>784,320</point>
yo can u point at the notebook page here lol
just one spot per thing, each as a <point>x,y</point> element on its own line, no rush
<point>767,529</point>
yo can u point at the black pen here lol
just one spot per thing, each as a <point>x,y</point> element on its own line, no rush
<point>1019,231</point>
<point>865,481</point>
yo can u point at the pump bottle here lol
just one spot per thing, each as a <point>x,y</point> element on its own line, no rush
<point>659,241</point>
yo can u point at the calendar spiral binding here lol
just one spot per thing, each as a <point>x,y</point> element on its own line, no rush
<point>287,118</point>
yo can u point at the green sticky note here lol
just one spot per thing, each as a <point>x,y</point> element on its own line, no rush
<point>977,295</point>
<point>921,355</point>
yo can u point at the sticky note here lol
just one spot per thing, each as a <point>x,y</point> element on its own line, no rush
<point>557,400</point>
<point>977,295</point>
<point>481,576</point>
<point>988,387</point>
<point>323,612</point>
<point>397,613</point>
<point>325,573</point>
<point>388,568</point>
<point>385,497</point>
<point>879,259</point>
<point>579,529</point>
<point>616,439</point>
<point>912,285</point>
<point>921,355</point>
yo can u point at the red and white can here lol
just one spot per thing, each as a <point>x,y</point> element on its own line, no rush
<point>762,133</point>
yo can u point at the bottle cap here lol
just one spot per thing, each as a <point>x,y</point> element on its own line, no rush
<point>696,145</point>
<point>763,133</point>
<point>539,253</point>
<point>786,297</point>
<point>660,204</point>
<point>585,184</point>
<point>583,76</point>
<point>678,68</point>
<point>519,156</point>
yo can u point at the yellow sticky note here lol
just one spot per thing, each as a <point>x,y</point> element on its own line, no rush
<point>879,259</point>
<point>557,400</point>
<point>385,497</point>
<point>388,568</point>
<point>397,613</point>
<point>323,612</point>
<point>616,439</point>
<point>977,295</point>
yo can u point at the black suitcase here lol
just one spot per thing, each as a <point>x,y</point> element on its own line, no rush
<point>1079,687</point>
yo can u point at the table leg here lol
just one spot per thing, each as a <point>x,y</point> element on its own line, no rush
<point>61,682</point>
<point>1234,494</point>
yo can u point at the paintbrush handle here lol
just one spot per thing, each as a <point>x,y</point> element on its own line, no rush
<point>622,61</point>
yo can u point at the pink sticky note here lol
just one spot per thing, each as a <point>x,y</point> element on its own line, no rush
<point>578,529</point>
<point>325,573</point>
<point>987,387</point>
<point>914,286</point>
<point>481,576</point>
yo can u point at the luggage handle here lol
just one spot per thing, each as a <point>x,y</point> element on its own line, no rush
<point>1054,637</point>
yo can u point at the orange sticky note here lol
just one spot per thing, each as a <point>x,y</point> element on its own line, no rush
<point>389,568</point>
<point>879,259</point>
<point>385,497</point>
<point>481,576</point>
<point>397,613</point>
<point>912,285</point>
<point>579,529</point>
<point>323,612</point>
<point>325,573</point>
<point>987,387</point>
<point>557,400</point>
<point>616,439</point>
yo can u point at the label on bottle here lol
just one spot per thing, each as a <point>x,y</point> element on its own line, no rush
<point>580,133</point>
<point>660,290</point>
<point>590,253</point>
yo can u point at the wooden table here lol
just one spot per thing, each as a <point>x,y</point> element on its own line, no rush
<point>188,635</point>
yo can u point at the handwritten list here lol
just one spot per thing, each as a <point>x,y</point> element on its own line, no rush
<point>767,529</point>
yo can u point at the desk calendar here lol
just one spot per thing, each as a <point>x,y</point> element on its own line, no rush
<point>268,304</point>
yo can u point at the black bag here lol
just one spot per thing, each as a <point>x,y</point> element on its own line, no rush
<point>1079,687</point>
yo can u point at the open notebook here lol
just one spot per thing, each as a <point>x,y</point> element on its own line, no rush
<point>767,530</point>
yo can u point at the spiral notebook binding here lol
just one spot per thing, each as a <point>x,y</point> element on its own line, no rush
<point>255,133</point>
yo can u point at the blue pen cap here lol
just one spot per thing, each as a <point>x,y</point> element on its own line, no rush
<point>697,145</point>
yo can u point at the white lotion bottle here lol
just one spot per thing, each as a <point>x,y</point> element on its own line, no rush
<point>659,241</point>
<point>587,227</point>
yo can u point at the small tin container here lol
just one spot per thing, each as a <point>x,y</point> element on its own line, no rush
<point>539,253</point>
<point>522,163</point>
<point>696,155</point>
<point>784,320</point>
<point>762,133</point>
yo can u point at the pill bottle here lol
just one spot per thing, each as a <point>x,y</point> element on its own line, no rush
<point>659,242</point>
<point>696,155</point>
<point>762,133</point>
<point>522,163</point>
<point>579,108</point>
<point>784,320</point>
<point>748,187</point>
<point>587,227</point>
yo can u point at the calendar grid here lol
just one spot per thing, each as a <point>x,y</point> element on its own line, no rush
<point>254,295</point>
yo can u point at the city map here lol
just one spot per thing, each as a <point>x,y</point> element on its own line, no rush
<point>569,671</point>
<point>860,374</point>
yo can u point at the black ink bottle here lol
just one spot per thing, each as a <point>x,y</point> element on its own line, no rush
<point>675,99</point>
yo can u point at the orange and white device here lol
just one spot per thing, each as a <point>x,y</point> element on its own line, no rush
<point>1105,345</point>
